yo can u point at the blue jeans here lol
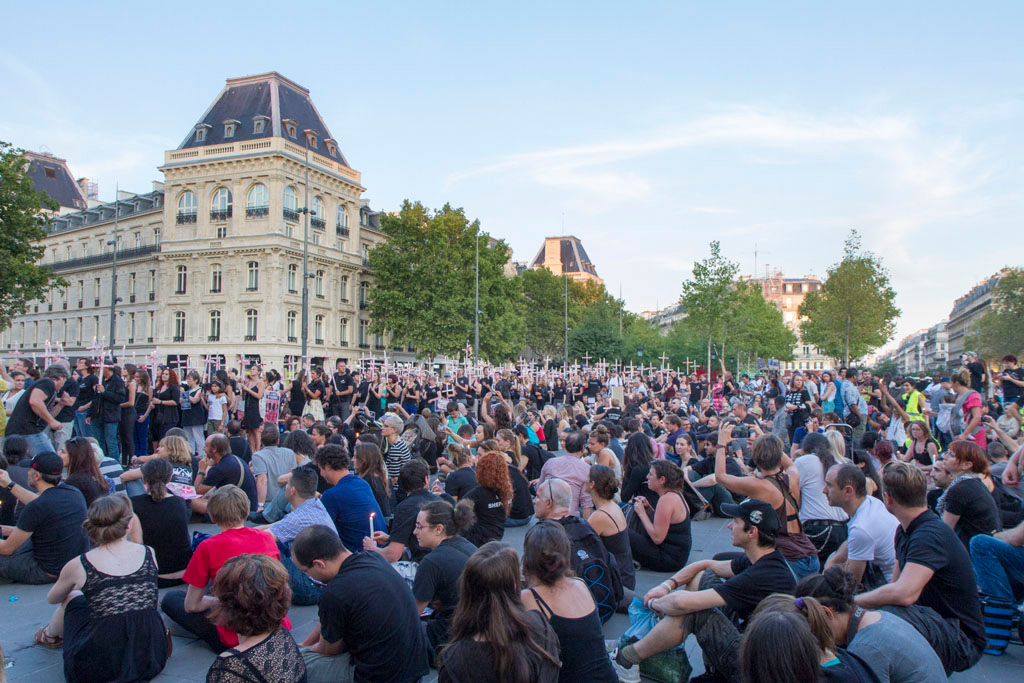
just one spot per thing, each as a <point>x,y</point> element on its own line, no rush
<point>998,566</point>
<point>304,591</point>
<point>805,566</point>
<point>105,434</point>
<point>81,428</point>
<point>142,437</point>
<point>277,508</point>
<point>509,522</point>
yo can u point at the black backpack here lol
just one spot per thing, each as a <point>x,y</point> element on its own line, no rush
<point>592,562</point>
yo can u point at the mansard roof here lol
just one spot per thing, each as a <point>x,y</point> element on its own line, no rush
<point>51,175</point>
<point>571,255</point>
<point>283,105</point>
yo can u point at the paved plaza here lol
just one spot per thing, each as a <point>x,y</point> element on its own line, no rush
<point>191,659</point>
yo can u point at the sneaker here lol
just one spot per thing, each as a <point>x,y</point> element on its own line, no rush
<point>630,675</point>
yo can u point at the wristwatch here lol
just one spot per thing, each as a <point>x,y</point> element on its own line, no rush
<point>10,487</point>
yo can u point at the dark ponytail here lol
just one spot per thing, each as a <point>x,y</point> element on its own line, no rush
<point>455,520</point>
<point>156,474</point>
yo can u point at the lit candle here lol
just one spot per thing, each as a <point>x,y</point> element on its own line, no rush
<point>372,514</point>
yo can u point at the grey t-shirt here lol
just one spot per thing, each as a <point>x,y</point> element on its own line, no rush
<point>896,652</point>
<point>273,461</point>
<point>871,535</point>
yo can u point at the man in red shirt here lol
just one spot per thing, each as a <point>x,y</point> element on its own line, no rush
<point>228,507</point>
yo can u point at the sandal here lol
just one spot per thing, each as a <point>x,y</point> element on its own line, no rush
<point>46,640</point>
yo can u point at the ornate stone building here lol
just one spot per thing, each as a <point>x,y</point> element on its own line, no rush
<point>210,261</point>
<point>566,255</point>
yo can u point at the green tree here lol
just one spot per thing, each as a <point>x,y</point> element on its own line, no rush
<point>855,311</point>
<point>22,228</point>
<point>757,327</point>
<point>709,297</point>
<point>887,367</point>
<point>1001,329</point>
<point>597,334</point>
<point>682,343</point>
<point>423,291</point>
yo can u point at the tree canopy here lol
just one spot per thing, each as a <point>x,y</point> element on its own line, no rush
<point>22,227</point>
<point>1000,330</point>
<point>855,311</point>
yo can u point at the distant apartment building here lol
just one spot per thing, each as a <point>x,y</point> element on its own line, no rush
<point>963,319</point>
<point>787,293</point>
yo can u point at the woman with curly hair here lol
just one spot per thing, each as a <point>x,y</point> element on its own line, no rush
<point>492,497</point>
<point>253,595</point>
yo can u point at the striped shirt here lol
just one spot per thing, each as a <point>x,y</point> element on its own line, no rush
<point>396,456</point>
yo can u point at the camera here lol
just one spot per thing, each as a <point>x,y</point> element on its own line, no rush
<point>741,431</point>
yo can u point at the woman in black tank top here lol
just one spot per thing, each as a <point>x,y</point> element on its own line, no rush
<point>548,568</point>
<point>609,522</point>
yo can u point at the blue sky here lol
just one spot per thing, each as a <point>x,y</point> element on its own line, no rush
<point>652,127</point>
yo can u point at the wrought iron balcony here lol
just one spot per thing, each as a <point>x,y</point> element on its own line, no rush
<point>319,342</point>
<point>318,223</point>
<point>183,218</point>
<point>292,340</point>
<point>98,259</point>
<point>257,212</point>
<point>220,214</point>
<point>343,231</point>
<point>250,337</point>
<point>363,345</point>
<point>179,339</point>
<point>291,215</point>
<point>363,305</point>
<point>213,338</point>
<point>343,343</point>
<point>152,296</point>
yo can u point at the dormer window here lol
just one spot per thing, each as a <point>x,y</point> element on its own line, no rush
<point>230,126</point>
<point>310,137</point>
<point>291,126</point>
<point>201,131</point>
<point>259,124</point>
<point>332,146</point>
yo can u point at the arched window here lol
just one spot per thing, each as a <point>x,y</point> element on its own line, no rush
<point>179,326</point>
<point>253,282</point>
<point>214,326</point>
<point>187,207</point>
<point>291,204</point>
<point>293,278</point>
<point>182,280</point>
<point>252,319</point>
<point>342,220</point>
<point>316,214</point>
<point>258,201</point>
<point>291,326</point>
<point>220,209</point>
<point>318,329</point>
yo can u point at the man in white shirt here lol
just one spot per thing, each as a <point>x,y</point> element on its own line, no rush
<point>871,531</point>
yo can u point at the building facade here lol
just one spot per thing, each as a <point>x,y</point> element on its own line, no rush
<point>922,352</point>
<point>566,255</point>
<point>966,312</point>
<point>787,293</point>
<point>210,263</point>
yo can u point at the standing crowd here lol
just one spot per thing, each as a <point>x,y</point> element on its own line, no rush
<point>877,521</point>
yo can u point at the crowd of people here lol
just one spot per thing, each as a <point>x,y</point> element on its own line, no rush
<point>877,521</point>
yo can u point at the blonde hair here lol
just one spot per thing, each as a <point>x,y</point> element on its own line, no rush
<point>838,445</point>
<point>228,506</point>
<point>178,451</point>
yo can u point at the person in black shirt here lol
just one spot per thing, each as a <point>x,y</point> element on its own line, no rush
<point>86,381</point>
<point>761,571</point>
<point>367,607</point>
<point>462,479</point>
<point>166,398</point>
<point>105,412</point>
<point>239,443</point>
<point>967,506</point>
<point>344,386</point>
<point>35,410</point>
<point>219,468</point>
<point>161,522</point>
<point>438,529</point>
<point>492,497</point>
<point>413,479</point>
<point>977,370</point>
<point>52,520</point>
<point>66,398</point>
<point>1012,380</point>
<point>934,581</point>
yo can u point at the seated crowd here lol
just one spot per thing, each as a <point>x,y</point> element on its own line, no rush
<point>858,557</point>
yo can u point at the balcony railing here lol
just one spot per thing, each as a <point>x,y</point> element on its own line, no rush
<point>183,218</point>
<point>363,345</point>
<point>213,338</point>
<point>257,212</point>
<point>96,302</point>
<point>343,231</point>
<point>179,339</point>
<point>252,289</point>
<point>292,340</point>
<point>378,347</point>
<point>250,337</point>
<point>319,342</point>
<point>149,340</point>
<point>220,214</point>
<point>80,304</point>
<point>131,298</point>
<point>97,259</point>
<point>152,296</point>
<point>318,223</point>
<point>65,305</point>
<point>291,215</point>
<point>363,305</point>
<point>343,343</point>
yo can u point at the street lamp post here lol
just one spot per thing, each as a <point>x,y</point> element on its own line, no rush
<point>476,301</point>
<point>566,297</point>
<point>113,271</point>
<point>305,264</point>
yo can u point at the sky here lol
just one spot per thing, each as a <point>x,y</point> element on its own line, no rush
<point>646,129</point>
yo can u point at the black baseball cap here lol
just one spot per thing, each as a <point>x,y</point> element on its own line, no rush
<point>48,463</point>
<point>756,512</point>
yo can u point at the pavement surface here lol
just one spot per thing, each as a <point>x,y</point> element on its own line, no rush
<point>24,608</point>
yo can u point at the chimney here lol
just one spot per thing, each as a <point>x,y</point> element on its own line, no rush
<point>90,189</point>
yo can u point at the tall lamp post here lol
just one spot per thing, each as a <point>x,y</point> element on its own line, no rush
<point>476,301</point>
<point>305,264</point>
<point>113,270</point>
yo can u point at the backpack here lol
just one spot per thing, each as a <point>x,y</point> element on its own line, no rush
<point>592,562</point>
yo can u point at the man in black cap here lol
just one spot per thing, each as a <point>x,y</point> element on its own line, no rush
<point>711,609</point>
<point>49,531</point>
